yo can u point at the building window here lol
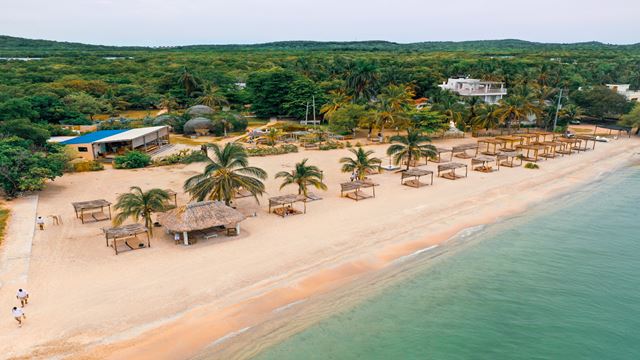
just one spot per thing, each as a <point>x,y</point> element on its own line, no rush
<point>83,149</point>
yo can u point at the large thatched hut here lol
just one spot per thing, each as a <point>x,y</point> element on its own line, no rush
<point>203,216</point>
<point>199,110</point>
<point>198,125</point>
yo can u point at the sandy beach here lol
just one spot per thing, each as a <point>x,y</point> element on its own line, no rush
<point>171,301</point>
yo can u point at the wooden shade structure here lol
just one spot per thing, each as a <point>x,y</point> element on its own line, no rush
<point>481,163</point>
<point>508,158</point>
<point>416,174</point>
<point>353,189</point>
<point>528,139</point>
<point>510,141</point>
<point>542,135</point>
<point>449,170</point>
<point>460,151</point>
<point>492,146</point>
<point>584,142</point>
<point>200,216</point>
<point>283,205</point>
<point>532,152</point>
<point>567,145</point>
<point>612,128</point>
<point>81,208</point>
<point>552,148</point>
<point>439,152</point>
<point>124,234</point>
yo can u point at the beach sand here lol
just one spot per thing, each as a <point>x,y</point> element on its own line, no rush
<point>171,301</point>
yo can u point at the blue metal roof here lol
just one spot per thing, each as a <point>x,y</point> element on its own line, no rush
<point>92,137</point>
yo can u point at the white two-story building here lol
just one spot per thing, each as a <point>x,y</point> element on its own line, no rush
<point>624,89</point>
<point>489,91</point>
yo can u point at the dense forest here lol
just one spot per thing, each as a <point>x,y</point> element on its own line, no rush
<point>371,84</point>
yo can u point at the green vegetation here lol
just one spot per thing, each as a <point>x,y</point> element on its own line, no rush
<point>132,160</point>
<point>362,163</point>
<point>531,166</point>
<point>138,204</point>
<point>632,119</point>
<point>4,217</point>
<point>412,146</point>
<point>272,150</point>
<point>303,176</point>
<point>81,165</point>
<point>181,157</point>
<point>227,171</point>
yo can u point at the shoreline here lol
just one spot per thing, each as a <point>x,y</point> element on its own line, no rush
<point>209,326</point>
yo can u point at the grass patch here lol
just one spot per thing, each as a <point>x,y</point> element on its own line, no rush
<point>4,217</point>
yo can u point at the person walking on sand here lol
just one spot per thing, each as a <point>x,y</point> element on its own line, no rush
<point>23,296</point>
<point>18,314</point>
<point>40,222</point>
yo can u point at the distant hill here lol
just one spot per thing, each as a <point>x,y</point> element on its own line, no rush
<point>28,47</point>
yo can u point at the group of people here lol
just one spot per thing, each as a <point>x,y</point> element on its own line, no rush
<point>18,314</point>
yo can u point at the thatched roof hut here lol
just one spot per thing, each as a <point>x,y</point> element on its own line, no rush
<point>199,110</point>
<point>199,216</point>
<point>198,123</point>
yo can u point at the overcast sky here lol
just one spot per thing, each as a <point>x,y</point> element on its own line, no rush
<point>183,22</point>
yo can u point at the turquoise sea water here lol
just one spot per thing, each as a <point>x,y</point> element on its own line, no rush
<point>561,282</point>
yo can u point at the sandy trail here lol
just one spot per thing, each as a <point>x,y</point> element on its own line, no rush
<point>92,304</point>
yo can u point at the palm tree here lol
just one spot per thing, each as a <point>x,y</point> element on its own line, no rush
<point>514,108</point>
<point>414,145</point>
<point>272,136</point>
<point>213,97</point>
<point>303,175</point>
<point>361,163</point>
<point>168,102</point>
<point>138,204</point>
<point>572,112</point>
<point>487,117</point>
<point>224,174</point>
<point>337,99</point>
<point>188,82</point>
<point>362,79</point>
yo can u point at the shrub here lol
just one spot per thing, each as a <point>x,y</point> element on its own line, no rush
<point>349,144</point>
<point>132,160</point>
<point>531,166</point>
<point>272,150</point>
<point>86,165</point>
<point>330,145</point>
<point>181,157</point>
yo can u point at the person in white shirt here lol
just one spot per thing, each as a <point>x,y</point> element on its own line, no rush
<point>40,222</point>
<point>18,314</point>
<point>23,296</point>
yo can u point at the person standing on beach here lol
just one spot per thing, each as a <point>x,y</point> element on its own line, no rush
<point>18,314</point>
<point>40,222</point>
<point>23,296</point>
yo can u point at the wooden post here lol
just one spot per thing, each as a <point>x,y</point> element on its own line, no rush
<point>185,238</point>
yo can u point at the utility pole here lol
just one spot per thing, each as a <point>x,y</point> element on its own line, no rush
<point>313,98</point>
<point>555,120</point>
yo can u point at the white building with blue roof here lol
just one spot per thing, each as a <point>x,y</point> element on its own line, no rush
<point>106,144</point>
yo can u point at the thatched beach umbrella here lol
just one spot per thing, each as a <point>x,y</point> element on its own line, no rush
<point>199,216</point>
<point>199,110</point>
<point>198,123</point>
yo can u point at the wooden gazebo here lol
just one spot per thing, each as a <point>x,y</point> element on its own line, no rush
<point>353,190</point>
<point>210,217</point>
<point>449,170</point>
<point>439,152</point>
<point>460,151</point>
<point>482,163</point>
<point>532,152</point>
<point>584,144</point>
<point>283,205</point>
<point>510,141</point>
<point>552,148</point>
<point>415,175</point>
<point>567,145</point>
<point>508,158</point>
<point>542,135</point>
<point>85,210</point>
<point>528,139</point>
<point>492,146</point>
<point>125,234</point>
